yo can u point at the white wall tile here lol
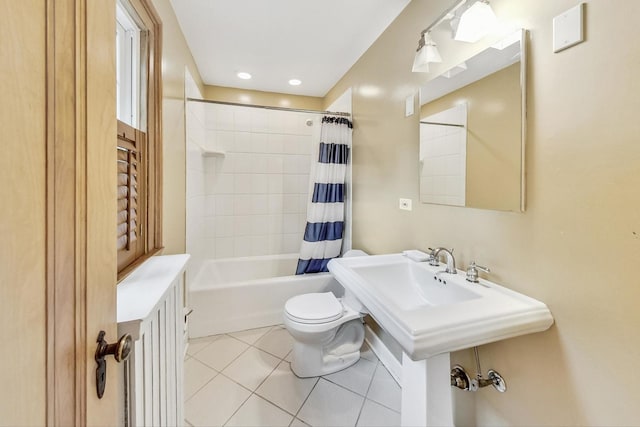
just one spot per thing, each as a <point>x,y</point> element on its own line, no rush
<point>290,184</point>
<point>259,204</point>
<point>259,142</point>
<point>290,203</point>
<point>242,204</point>
<point>223,183</point>
<point>223,226</point>
<point>260,184</point>
<point>275,184</point>
<point>274,143</point>
<point>242,119</point>
<point>243,183</point>
<point>275,204</point>
<point>259,120</point>
<point>275,164</point>
<point>242,142</point>
<point>224,204</point>
<point>290,223</point>
<point>242,246</point>
<point>224,247</point>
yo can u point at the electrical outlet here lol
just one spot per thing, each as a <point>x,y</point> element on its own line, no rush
<point>405,204</point>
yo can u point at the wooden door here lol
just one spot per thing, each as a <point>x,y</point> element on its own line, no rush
<point>58,203</point>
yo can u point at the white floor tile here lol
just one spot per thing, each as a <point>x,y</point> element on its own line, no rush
<point>215,403</point>
<point>277,341</point>
<point>331,405</point>
<point>251,368</point>
<point>196,374</point>
<point>297,423</point>
<point>384,389</point>
<point>250,336</point>
<point>221,352</point>
<point>367,353</point>
<point>375,415</point>
<point>258,412</point>
<point>285,389</point>
<point>197,344</point>
<point>289,357</point>
<point>356,377</point>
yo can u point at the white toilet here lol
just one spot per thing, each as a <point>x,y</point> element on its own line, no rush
<point>328,331</point>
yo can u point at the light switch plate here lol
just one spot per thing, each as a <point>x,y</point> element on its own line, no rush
<point>568,28</point>
<point>408,105</point>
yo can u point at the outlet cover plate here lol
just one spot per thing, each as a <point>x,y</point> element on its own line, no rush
<point>405,204</point>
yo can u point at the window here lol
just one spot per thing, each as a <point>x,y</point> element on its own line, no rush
<point>128,60</point>
<point>138,90</point>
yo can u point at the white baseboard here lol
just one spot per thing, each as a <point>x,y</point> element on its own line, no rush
<point>393,365</point>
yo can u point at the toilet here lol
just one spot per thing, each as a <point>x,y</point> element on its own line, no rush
<point>327,331</point>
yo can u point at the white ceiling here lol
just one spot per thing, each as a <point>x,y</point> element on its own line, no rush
<point>277,40</point>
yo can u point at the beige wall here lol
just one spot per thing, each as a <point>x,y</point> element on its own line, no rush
<point>255,97</point>
<point>577,245</point>
<point>494,135</point>
<point>175,57</point>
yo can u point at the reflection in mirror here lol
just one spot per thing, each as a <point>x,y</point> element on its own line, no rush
<point>471,131</point>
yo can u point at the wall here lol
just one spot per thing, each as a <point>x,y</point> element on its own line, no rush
<point>196,208</point>
<point>255,97</point>
<point>175,57</point>
<point>256,195</point>
<point>494,134</point>
<point>577,244</point>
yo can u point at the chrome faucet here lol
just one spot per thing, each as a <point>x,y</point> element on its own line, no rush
<point>451,261</point>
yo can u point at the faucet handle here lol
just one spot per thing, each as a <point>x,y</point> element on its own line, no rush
<point>432,257</point>
<point>472,271</point>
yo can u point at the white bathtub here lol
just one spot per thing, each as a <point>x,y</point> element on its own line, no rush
<point>234,294</point>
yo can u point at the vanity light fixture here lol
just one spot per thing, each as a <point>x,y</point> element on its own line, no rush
<point>476,22</point>
<point>426,53</point>
<point>243,75</point>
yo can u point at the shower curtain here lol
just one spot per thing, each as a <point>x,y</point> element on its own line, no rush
<point>325,212</point>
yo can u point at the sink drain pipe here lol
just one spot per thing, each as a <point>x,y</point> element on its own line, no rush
<point>460,378</point>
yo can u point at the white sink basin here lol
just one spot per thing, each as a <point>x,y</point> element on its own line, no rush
<point>430,312</point>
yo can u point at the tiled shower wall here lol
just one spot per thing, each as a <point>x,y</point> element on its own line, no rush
<point>254,168</point>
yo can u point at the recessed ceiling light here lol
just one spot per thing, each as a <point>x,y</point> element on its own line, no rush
<point>244,76</point>
<point>295,82</point>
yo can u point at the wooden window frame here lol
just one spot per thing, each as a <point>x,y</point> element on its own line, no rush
<point>151,220</point>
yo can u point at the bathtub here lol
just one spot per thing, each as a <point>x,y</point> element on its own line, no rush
<point>234,294</point>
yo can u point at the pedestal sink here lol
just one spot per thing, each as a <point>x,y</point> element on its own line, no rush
<point>431,313</point>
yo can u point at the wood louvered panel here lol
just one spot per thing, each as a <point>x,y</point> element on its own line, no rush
<point>131,217</point>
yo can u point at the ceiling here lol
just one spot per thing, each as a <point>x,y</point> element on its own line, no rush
<point>314,41</point>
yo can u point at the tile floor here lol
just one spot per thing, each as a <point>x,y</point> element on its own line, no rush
<point>245,379</point>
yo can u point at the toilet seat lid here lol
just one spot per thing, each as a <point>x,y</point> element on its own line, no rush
<point>314,308</point>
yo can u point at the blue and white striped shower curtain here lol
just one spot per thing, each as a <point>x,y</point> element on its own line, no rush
<point>325,212</point>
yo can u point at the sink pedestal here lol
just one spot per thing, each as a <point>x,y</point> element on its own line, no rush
<point>426,392</point>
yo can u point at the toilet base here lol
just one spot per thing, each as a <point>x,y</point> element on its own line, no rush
<point>327,365</point>
<point>324,353</point>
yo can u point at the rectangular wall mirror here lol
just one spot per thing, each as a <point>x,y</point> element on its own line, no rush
<point>472,130</point>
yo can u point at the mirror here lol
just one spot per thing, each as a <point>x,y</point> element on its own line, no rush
<point>472,121</point>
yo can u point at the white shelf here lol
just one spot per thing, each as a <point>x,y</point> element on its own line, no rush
<point>213,153</point>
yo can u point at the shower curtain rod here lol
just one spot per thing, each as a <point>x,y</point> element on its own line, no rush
<point>442,124</point>
<point>266,107</point>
